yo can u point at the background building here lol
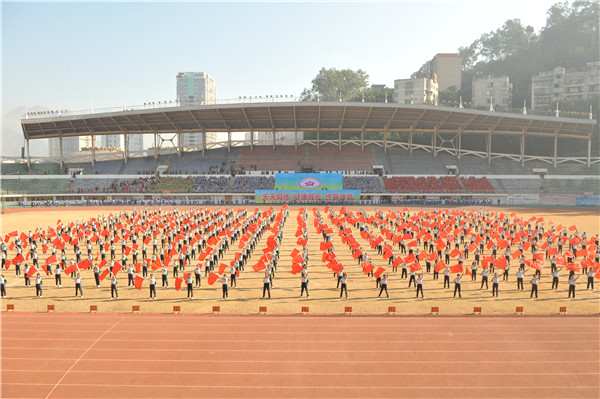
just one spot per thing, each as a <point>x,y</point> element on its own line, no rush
<point>281,138</point>
<point>548,87</point>
<point>417,90</point>
<point>70,146</point>
<point>196,87</point>
<point>489,90</point>
<point>111,141</point>
<point>447,67</point>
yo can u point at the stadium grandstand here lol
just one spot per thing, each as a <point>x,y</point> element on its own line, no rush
<point>390,152</point>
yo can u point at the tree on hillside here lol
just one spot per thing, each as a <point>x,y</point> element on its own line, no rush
<point>502,44</point>
<point>331,84</point>
<point>374,95</point>
<point>570,39</point>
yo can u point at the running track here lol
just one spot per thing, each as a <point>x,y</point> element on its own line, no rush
<point>219,356</point>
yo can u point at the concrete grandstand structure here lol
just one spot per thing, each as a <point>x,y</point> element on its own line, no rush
<point>449,165</point>
<point>446,126</point>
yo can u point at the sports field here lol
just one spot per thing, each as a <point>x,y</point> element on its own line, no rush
<point>324,296</point>
<point>115,353</point>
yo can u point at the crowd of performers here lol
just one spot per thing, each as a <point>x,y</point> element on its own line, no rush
<point>151,247</point>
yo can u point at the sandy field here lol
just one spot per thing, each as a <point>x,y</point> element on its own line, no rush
<point>324,297</point>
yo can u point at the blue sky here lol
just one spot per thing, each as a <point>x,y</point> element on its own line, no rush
<point>71,55</point>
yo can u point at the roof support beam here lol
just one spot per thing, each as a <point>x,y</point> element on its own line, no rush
<point>93,150</point>
<point>459,142</point>
<point>155,145</point>
<point>125,147</point>
<point>60,143</point>
<point>434,140</point>
<point>589,154</point>
<point>318,126</point>
<point>223,121</point>
<point>523,148</point>
<point>340,131</point>
<point>556,144</point>
<point>362,138</point>
<point>295,129</point>
<point>362,129</point>
<point>200,125</point>
<point>386,127</point>
<point>489,146</point>
<point>28,157</point>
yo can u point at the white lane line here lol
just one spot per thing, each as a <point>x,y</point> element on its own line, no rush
<point>337,333</point>
<point>307,387</point>
<point>82,355</point>
<point>213,350</point>
<point>306,373</point>
<point>312,361</point>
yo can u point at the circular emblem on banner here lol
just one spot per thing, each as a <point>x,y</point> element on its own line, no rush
<point>309,183</point>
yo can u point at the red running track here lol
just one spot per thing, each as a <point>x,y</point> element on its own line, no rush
<point>218,356</point>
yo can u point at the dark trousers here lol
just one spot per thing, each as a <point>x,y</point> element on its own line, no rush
<point>520,284</point>
<point>233,282</point>
<point>338,282</point>
<point>344,289</point>
<point>590,283</point>
<point>304,287</point>
<point>97,278</point>
<point>420,288</point>
<point>447,280</point>
<point>457,288</point>
<point>384,287</point>
<point>225,293</point>
<point>190,290</point>
<point>435,274</point>
<point>554,282</point>
<point>113,291</point>
<point>571,290</point>
<point>403,275</point>
<point>533,290</point>
<point>198,282</point>
<point>266,288</point>
<point>2,290</point>
<point>130,280</point>
<point>473,275</point>
<point>484,280</point>
<point>27,281</point>
<point>412,280</point>
<point>164,280</point>
<point>38,289</point>
<point>78,289</point>
<point>145,271</point>
<point>495,289</point>
<point>152,291</point>
<point>58,279</point>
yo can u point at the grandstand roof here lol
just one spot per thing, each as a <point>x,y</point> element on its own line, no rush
<point>305,116</point>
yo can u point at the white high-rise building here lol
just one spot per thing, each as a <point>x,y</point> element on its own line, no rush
<point>492,91</point>
<point>548,87</point>
<point>196,88</point>
<point>70,146</point>
<point>419,90</point>
<point>135,142</point>
<point>111,141</point>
